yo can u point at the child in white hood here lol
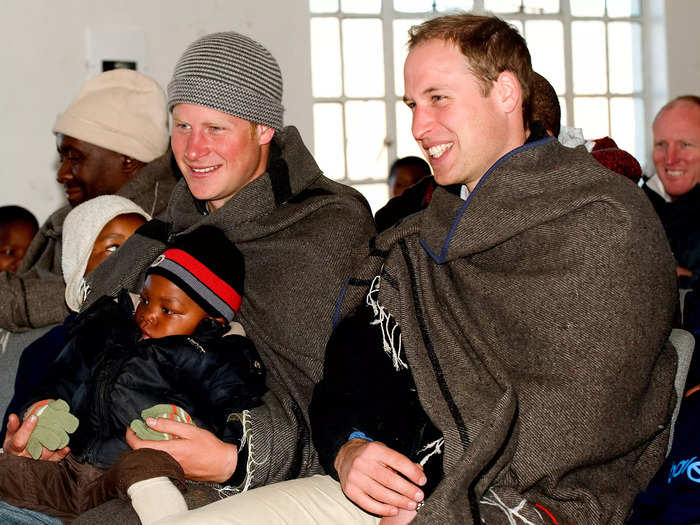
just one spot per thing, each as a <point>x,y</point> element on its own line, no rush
<point>92,232</point>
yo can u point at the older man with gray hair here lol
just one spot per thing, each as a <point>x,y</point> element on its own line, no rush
<point>674,190</point>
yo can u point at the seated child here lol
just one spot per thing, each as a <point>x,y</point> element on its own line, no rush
<point>91,232</point>
<point>173,350</point>
<point>17,229</point>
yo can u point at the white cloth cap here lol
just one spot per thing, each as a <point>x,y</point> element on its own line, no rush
<point>119,110</point>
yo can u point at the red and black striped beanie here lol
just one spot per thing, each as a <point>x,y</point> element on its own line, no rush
<point>207,267</point>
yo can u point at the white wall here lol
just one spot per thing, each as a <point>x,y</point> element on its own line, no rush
<point>683,47</point>
<point>43,59</point>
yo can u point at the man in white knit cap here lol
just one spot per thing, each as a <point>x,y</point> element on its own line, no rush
<point>112,139</point>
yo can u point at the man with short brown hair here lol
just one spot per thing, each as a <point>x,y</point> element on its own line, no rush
<point>481,367</point>
<point>502,291</point>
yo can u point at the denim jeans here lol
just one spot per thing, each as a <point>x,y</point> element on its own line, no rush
<point>10,515</point>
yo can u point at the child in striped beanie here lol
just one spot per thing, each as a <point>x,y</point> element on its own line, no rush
<point>174,356</point>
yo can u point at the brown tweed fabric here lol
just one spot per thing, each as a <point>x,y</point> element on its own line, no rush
<point>535,318</point>
<point>34,297</point>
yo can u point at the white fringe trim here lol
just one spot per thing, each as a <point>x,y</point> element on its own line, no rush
<point>512,514</point>
<point>155,199</point>
<point>4,339</point>
<point>390,343</point>
<point>83,292</point>
<point>436,449</point>
<point>251,463</point>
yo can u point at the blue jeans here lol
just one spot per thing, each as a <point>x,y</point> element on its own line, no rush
<point>11,515</point>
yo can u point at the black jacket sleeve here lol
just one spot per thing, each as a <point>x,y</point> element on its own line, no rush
<point>362,390</point>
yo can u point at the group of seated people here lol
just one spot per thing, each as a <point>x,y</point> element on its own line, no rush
<point>212,331</point>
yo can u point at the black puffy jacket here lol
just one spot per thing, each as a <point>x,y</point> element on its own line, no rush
<point>108,376</point>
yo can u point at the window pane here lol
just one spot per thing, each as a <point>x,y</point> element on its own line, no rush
<point>591,115</point>
<point>541,6</point>
<point>328,139</point>
<point>587,7</point>
<point>361,6</point>
<point>325,57</point>
<point>401,28</point>
<point>588,50</point>
<point>365,127</point>
<point>323,6</point>
<point>413,6</point>
<point>376,194</point>
<point>625,55</point>
<point>450,5</point>
<point>623,8</point>
<point>564,112</point>
<point>545,39</point>
<point>537,7</point>
<point>363,57</point>
<point>627,123</point>
<point>405,143</point>
<point>502,6</point>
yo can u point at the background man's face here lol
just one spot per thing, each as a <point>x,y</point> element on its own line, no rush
<point>217,153</point>
<point>460,131</point>
<point>405,177</point>
<point>677,148</point>
<point>88,171</point>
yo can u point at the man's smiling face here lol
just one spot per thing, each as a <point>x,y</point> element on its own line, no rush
<point>677,147</point>
<point>459,129</point>
<point>217,153</point>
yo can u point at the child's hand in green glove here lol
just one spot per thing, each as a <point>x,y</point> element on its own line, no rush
<point>54,423</point>
<point>172,412</point>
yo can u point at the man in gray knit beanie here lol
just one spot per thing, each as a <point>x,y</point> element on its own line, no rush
<point>299,232</point>
<point>231,73</point>
<point>232,81</point>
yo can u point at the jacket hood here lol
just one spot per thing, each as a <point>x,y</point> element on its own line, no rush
<point>80,231</point>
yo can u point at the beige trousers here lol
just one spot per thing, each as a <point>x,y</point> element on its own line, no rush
<point>315,500</point>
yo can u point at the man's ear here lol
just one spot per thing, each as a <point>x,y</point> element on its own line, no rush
<point>508,91</point>
<point>264,134</point>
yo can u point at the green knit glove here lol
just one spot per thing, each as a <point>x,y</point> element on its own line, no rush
<point>173,412</point>
<point>54,424</point>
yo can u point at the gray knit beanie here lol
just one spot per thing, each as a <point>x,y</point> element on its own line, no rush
<point>231,73</point>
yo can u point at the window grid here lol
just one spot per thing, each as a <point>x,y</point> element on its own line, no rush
<point>387,15</point>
